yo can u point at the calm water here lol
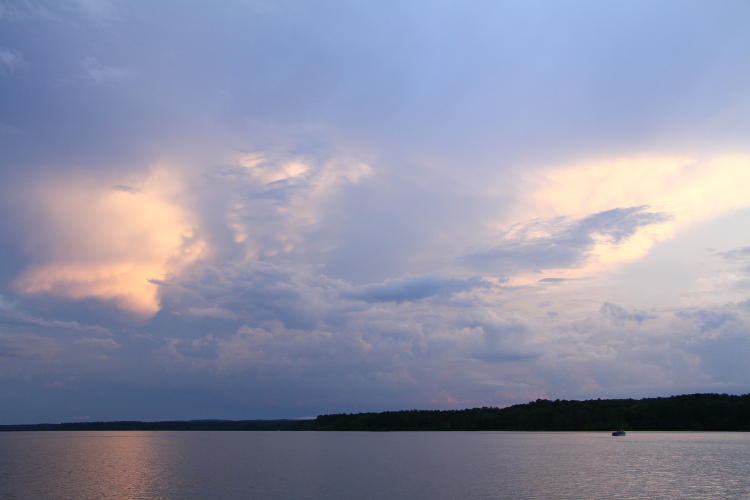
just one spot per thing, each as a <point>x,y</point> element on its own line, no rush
<point>399,465</point>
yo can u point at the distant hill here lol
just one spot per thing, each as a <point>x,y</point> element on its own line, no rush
<point>693,412</point>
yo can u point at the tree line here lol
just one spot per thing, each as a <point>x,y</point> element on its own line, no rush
<point>692,412</point>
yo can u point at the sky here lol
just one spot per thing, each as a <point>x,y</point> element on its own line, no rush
<point>279,209</point>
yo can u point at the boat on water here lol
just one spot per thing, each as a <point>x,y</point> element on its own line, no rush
<point>618,433</point>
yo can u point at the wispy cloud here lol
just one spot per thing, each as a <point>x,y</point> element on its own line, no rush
<point>103,343</point>
<point>97,73</point>
<point>10,60</point>
<point>25,347</point>
<point>561,242</point>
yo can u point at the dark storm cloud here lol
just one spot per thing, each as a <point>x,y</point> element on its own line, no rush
<point>414,288</point>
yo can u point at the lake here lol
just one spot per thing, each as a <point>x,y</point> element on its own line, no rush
<point>361,465</point>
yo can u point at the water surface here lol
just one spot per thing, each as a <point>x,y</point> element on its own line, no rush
<point>360,465</point>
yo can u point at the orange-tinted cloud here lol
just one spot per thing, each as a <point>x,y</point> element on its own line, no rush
<point>94,240</point>
<point>690,190</point>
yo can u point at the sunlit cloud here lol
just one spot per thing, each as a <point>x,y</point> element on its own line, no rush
<point>92,240</point>
<point>693,189</point>
<point>687,191</point>
<point>276,201</point>
<point>268,172</point>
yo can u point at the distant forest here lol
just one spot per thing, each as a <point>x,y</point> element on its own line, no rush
<point>694,412</point>
<point>170,425</point>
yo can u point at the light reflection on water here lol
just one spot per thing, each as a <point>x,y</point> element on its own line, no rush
<point>400,465</point>
<point>82,465</point>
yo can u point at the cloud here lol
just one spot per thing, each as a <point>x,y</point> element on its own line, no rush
<point>501,342</point>
<point>621,315</point>
<point>98,10</point>
<point>737,254</point>
<point>563,243</point>
<point>10,317</point>
<point>690,189</point>
<point>10,314</point>
<point>320,212</point>
<point>107,343</point>
<point>414,288</point>
<point>9,60</point>
<point>210,312</point>
<point>91,241</point>
<point>271,203</point>
<point>124,240</point>
<point>27,347</point>
<point>708,320</point>
<point>570,218</point>
<point>97,73</point>
<point>253,291</point>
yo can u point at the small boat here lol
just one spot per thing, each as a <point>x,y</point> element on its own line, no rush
<point>618,433</point>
